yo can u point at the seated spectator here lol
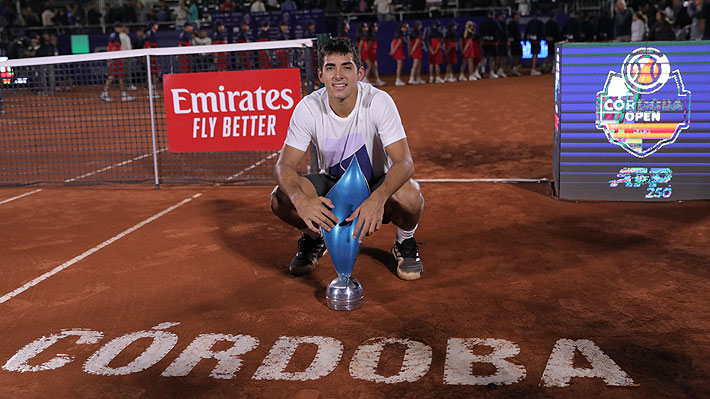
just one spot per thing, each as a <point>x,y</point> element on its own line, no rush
<point>272,5</point>
<point>129,11</point>
<point>289,5</point>
<point>112,14</point>
<point>201,39</point>
<point>163,13</point>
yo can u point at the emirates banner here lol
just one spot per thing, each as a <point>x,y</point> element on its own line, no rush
<point>230,111</point>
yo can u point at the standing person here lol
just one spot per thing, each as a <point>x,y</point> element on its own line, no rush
<point>450,43</point>
<point>416,42</point>
<point>245,57</point>
<point>588,28</point>
<point>639,28</point>
<point>47,48</point>
<point>115,67</point>
<point>662,30</point>
<point>128,63</point>
<point>371,54</point>
<point>705,28</point>
<point>467,53</point>
<point>696,17</point>
<point>219,37</point>
<point>151,41</point>
<point>283,55</point>
<point>397,51</point>
<point>384,9</point>
<point>534,32</point>
<point>361,38</point>
<point>552,36</point>
<point>344,28</point>
<point>502,39</point>
<point>516,48</point>
<point>263,36</point>
<point>622,21</point>
<point>185,40</point>
<point>333,118</point>
<point>436,53</point>
<point>571,30</point>
<point>489,32</point>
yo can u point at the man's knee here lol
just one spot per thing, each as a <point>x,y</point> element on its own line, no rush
<point>409,197</point>
<point>279,201</point>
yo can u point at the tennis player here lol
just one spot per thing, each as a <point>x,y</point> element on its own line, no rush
<point>348,119</point>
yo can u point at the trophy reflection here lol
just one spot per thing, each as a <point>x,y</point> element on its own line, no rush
<point>345,292</point>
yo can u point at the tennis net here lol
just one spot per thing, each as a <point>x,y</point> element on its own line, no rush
<point>101,117</point>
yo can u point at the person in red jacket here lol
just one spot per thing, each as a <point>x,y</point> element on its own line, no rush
<point>436,53</point>
<point>397,50</point>
<point>468,52</point>
<point>416,42</point>
<point>185,40</point>
<point>219,37</point>
<point>450,49</point>
<point>115,66</point>
<point>361,39</point>
<point>371,55</point>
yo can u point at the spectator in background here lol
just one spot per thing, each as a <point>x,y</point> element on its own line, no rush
<point>272,5</point>
<point>433,7</point>
<point>502,39</point>
<point>371,55</point>
<point>588,29</point>
<point>605,28</point>
<point>227,6</point>
<point>193,14</point>
<point>622,22</point>
<point>571,31</point>
<point>30,18</point>
<point>129,11</point>
<point>489,31</point>
<point>289,5</point>
<point>534,32</point>
<point>310,32</point>
<point>450,43</point>
<point>139,41</point>
<point>639,27</point>
<point>436,53</point>
<point>93,16</point>
<point>662,31</point>
<point>16,49</point>
<point>695,14</point>
<point>127,44</point>
<point>48,16</point>
<point>181,14</point>
<point>384,10</point>
<point>141,13</point>
<point>257,6</point>
<point>219,37</point>
<point>516,49</point>
<point>45,75</point>
<point>344,29</point>
<point>115,67</point>
<point>552,36</point>
<point>163,13</point>
<point>112,14</point>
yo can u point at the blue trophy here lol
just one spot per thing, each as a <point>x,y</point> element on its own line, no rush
<point>345,292</point>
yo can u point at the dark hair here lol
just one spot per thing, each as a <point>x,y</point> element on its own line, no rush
<point>338,45</point>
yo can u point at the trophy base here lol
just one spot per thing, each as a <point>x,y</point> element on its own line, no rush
<point>344,293</point>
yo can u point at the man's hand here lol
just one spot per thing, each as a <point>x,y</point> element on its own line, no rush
<point>370,215</point>
<point>314,214</point>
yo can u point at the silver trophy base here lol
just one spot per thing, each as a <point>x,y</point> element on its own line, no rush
<point>344,293</point>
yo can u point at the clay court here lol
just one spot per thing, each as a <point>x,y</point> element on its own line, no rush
<point>506,263</point>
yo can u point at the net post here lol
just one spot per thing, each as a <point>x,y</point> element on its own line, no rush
<point>309,70</point>
<point>149,73</point>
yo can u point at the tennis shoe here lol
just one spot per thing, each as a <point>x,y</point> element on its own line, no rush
<point>132,88</point>
<point>104,96</point>
<point>409,266</point>
<point>477,75</point>
<point>440,80</point>
<point>421,81</point>
<point>399,82</point>
<point>501,74</point>
<point>535,72</point>
<point>462,77</point>
<point>126,97</point>
<point>471,78</point>
<point>379,82</point>
<point>309,252</point>
<point>412,81</point>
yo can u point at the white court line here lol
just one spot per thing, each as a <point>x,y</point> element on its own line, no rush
<point>108,242</point>
<point>116,165</point>
<point>19,196</point>
<point>513,180</point>
<point>253,166</point>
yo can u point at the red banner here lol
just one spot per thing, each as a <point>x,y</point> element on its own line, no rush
<point>230,111</point>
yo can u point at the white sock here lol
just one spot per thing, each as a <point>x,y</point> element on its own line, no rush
<point>311,233</point>
<point>405,234</point>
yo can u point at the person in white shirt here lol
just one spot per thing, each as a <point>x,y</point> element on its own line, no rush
<point>384,9</point>
<point>639,28</point>
<point>257,6</point>
<point>48,16</point>
<point>128,62</point>
<point>347,119</point>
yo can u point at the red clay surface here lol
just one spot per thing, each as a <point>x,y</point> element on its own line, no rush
<point>501,261</point>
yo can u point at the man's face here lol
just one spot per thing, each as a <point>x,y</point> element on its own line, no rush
<point>340,75</point>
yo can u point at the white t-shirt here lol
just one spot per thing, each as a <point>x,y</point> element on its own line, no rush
<point>372,125</point>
